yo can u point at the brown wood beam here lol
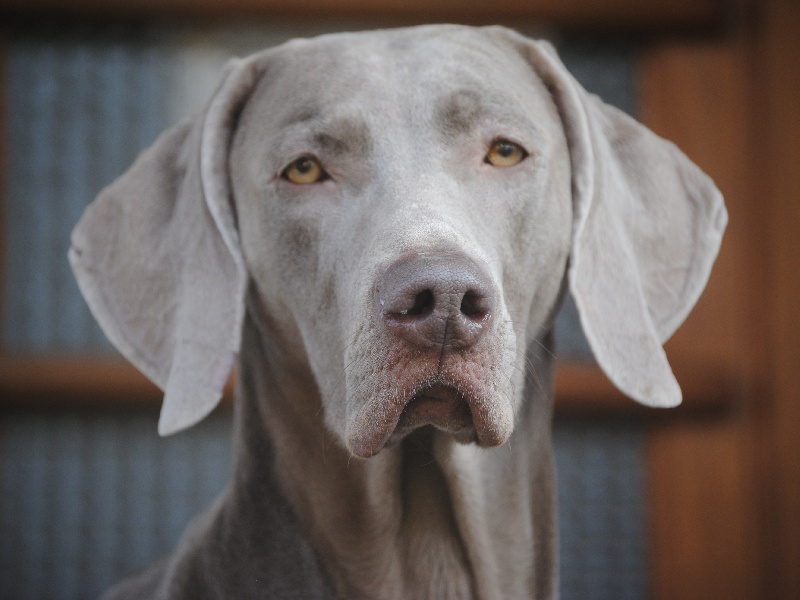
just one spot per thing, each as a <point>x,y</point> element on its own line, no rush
<point>73,382</point>
<point>79,382</point>
<point>777,120</point>
<point>590,14</point>
<point>4,124</point>
<point>585,390</point>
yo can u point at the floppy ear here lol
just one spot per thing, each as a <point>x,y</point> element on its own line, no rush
<point>157,258</point>
<point>647,226</point>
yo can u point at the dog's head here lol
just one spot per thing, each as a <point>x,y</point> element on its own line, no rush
<point>402,207</point>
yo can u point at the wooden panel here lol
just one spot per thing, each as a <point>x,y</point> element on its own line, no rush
<point>695,95</point>
<point>725,495</point>
<point>585,389</point>
<point>582,13</point>
<point>701,493</point>
<point>702,512</point>
<point>778,119</point>
<point>3,157</point>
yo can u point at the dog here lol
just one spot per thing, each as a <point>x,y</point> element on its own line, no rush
<point>378,228</point>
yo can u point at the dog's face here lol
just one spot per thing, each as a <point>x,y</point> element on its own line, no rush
<point>402,206</point>
<point>405,215</point>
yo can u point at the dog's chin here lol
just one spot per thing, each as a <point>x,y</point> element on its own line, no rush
<point>440,406</point>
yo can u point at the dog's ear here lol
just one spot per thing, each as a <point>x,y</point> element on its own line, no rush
<point>647,226</point>
<point>158,259</point>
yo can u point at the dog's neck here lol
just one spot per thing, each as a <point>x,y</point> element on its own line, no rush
<point>427,518</point>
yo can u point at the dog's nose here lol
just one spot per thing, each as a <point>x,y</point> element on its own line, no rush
<point>438,300</point>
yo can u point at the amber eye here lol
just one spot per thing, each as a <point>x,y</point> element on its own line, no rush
<point>505,154</point>
<point>304,170</point>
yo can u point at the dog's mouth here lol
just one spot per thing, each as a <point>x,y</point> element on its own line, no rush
<point>465,395</point>
<point>437,405</point>
<point>441,406</point>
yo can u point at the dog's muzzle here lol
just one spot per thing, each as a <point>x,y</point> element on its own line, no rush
<point>436,306</point>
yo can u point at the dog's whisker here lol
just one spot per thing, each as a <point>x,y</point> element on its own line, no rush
<point>343,375</point>
<point>545,348</point>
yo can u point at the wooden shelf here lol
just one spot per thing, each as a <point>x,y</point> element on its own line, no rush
<point>79,382</point>
<point>591,14</point>
<point>73,382</point>
<point>584,389</point>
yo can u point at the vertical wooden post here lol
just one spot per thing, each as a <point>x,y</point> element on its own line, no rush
<point>4,120</point>
<point>704,515</point>
<point>778,119</point>
<point>725,495</point>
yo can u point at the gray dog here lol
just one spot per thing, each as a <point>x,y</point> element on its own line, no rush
<point>381,227</point>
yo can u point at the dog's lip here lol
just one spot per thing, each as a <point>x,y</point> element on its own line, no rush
<point>440,405</point>
<point>387,421</point>
<point>443,405</point>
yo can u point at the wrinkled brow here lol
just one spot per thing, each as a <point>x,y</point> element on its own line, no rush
<point>459,113</point>
<point>344,135</point>
<point>303,114</point>
<point>337,136</point>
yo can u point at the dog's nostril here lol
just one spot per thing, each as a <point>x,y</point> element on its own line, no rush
<point>423,304</point>
<point>474,306</point>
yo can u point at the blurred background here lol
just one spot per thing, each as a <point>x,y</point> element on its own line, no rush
<point>699,502</point>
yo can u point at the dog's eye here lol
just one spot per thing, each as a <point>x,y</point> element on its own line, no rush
<point>304,170</point>
<point>505,154</point>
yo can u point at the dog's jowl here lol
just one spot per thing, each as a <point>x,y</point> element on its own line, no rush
<point>378,229</point>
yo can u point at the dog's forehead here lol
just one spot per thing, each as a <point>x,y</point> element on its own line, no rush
<point>410,50</point>
<point>454,70</point>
